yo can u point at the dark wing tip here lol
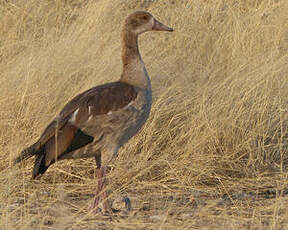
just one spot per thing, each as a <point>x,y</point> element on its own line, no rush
<point>39,166</point>
<point>27,153</point>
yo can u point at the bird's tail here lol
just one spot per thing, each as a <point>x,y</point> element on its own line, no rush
<point>28,152</point>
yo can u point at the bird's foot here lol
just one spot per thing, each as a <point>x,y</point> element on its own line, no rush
<point>95,205</point>
<point>105,207</point>
<point>122,204</point>
<point>127,203</point>
<point>119,205</point>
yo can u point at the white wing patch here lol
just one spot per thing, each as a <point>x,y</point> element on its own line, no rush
<point>90,117</point>
<point>72,120</point>
<point>127,106</point>
<point>89,109</point>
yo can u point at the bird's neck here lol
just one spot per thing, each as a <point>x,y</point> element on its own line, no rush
<point>134,71</point>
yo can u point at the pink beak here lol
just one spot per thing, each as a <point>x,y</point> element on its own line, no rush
<point>160,27</point>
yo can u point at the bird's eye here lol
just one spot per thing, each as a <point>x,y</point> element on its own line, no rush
<point>145,17</point>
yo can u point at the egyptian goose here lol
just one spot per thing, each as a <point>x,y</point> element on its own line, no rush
<point>97,122</point>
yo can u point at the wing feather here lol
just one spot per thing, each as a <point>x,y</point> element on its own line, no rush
<point>70,135</point>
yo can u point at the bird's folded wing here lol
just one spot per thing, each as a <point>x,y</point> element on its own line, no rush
<point>70,125</point>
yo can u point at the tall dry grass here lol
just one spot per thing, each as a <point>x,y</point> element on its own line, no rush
<point>215,147</point>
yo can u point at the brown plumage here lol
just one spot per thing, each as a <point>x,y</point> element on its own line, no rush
<point>97,122</point>
<point>103,98</point>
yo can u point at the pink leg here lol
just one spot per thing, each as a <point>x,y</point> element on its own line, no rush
<point>101,176</point>
<point>106,206</point>
<point>98,190</point>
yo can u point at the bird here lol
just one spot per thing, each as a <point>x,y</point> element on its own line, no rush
<point>99,121</point>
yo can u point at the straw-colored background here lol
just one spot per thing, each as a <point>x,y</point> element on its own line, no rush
<point>214,149</point>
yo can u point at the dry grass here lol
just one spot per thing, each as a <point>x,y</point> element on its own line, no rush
<point>214,152</point>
